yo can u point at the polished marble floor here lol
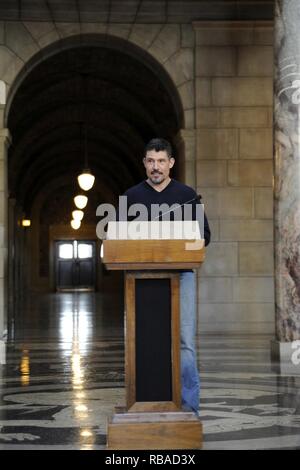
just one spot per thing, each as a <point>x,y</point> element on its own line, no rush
<point>64,374</point>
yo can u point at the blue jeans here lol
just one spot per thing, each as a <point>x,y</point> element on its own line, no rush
<point>190,381</point>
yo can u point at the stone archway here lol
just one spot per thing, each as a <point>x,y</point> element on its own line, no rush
<point>172,68</point>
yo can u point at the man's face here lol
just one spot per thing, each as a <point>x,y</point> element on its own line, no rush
<point>158,165</point>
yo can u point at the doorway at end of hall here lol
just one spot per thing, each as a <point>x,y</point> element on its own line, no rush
<point>75,265</point>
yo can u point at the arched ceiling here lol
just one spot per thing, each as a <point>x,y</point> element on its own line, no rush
<point>119,100</point>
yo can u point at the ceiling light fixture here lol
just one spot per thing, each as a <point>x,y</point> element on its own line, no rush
<point>26,222</point>
<point>80,201</point>
<point>77,215</point>
<point>86,178</point>
<point>75,224</point>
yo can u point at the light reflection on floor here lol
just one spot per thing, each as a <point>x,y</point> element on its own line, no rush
<point>65,374</point>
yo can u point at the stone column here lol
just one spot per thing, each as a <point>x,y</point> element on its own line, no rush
<point>287,179</point>
<point>4,143</point>
<point>11,291</point>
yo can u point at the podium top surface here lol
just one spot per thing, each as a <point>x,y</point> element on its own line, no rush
<point>153,245</point>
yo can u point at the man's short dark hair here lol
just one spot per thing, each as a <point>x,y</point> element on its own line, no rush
<point>158,145</point>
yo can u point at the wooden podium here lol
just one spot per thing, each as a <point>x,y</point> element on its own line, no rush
<point>152,417</point>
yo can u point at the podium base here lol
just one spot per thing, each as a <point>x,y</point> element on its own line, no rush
<point>166,430</point>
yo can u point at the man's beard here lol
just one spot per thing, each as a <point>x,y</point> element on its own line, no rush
<point>160,177</point>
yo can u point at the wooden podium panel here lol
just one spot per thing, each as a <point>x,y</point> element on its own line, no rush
<point>152,364</point>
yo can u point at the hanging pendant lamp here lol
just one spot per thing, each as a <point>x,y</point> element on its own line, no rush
<point>77,215</point>
<point>86,178</point>
<point>75,224</point>
<point>80,201</point>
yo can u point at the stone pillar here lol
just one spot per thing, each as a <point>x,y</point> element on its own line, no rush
<point>11,291</point>
<point>185,142</point>
<point>287,180</point>
<point>4,142</point>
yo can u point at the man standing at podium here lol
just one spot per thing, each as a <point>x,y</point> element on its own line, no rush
<point>159,189</point>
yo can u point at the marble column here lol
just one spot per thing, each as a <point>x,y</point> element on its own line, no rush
<point>287,173</point>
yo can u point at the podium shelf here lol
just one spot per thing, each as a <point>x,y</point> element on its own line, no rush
<point>153,254</point>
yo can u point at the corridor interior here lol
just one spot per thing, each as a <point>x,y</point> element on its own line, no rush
<point>64,374</point>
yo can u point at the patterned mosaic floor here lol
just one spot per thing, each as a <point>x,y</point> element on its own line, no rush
<point>64,375</point>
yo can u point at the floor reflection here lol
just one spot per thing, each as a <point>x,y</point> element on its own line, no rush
<point>65,374</point>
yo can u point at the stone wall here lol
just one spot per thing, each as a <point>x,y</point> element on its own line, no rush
<point>234,96</point>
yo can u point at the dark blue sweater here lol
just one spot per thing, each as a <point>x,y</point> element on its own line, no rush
<point>174,193</point>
